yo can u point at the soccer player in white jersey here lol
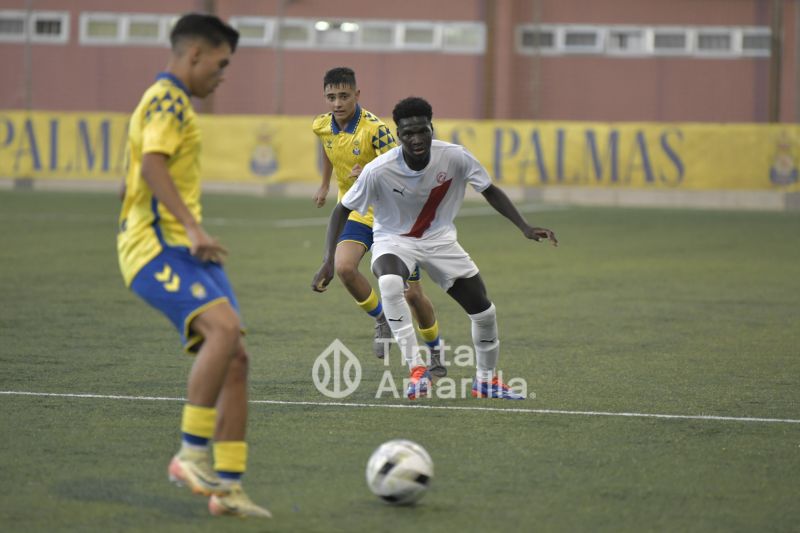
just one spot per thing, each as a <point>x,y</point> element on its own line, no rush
<point>416,191</point>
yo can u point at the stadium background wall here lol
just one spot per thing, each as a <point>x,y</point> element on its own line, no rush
<point>569,119</point>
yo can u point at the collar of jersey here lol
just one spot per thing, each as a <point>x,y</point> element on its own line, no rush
<point>351,126</point>
<point>175,81</point>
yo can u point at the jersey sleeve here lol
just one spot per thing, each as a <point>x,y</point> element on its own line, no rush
<point>382,140</point>
<point>163,122</point>
<point>320,124</point>
<point>475,173</point>
<point>358,197</point>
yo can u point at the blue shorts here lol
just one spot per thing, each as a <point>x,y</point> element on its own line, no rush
<point>182,287</point>
<point>361,233</point>
<point>357,232</point>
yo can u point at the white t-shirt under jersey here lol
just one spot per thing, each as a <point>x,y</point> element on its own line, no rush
<point>418,204</point>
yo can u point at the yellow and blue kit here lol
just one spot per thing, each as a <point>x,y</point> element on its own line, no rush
<point>152,246</point>
<point>363,139</point>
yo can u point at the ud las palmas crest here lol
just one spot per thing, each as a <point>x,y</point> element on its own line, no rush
<point>263,162</point>
<point>784,165</point>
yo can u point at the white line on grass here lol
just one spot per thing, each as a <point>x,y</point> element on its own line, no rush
<point>465,212</point>
<point>419,406</point>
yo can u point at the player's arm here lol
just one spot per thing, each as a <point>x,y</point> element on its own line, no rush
<point>503,205</point>
<point>335,226</point>
<point>155,173</point>
<point>327,172</point>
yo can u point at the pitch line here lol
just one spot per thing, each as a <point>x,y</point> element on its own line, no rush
<point>465,212</point>
<point>430,407</point>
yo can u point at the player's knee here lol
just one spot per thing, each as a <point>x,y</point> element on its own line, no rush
<point>227,328</point>
<point>414,294</point>
<point>239,364</point>
<point>391,286</point>
<point>346,270</point>
<point>487,316</point>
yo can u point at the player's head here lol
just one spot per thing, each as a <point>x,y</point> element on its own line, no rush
<point>413,117</point>
<point>203,45</point>
<point>341,93</point>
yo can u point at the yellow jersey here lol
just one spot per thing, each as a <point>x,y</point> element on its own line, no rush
<point>363,139</point>
<point>164,122</point>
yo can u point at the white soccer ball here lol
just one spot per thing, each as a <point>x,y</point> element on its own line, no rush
<point>399,471</point>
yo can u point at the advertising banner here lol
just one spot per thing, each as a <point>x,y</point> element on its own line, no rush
<point>273,149</point>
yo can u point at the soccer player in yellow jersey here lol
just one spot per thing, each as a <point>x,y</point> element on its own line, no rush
<point>351,137</point>
<point>169,260</point>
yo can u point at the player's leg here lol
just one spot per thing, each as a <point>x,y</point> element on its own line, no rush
<point>453,270</point>
<point>348,257</point>
<point>355,240</point>
<point>218,378</point>
<point>427,325</point>
<point>392,271</point>
<point>199,301</point>
<point>216,332</point>
<point>178,286</point>
<point>230,447</point>
<point>471,294</point>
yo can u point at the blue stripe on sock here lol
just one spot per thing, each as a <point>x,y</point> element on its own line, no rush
<point>377,311</point>
<point>194,440</point>
<point>233,476</point>
<point>433,344</point>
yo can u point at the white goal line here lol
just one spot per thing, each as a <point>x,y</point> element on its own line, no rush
<point>419,406</point>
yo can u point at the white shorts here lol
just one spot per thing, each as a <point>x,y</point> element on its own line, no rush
<point>444,261</point>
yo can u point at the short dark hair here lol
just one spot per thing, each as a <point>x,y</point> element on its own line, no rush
<point>339,76</point>
<point>413,106</point>
<point>207,27</point>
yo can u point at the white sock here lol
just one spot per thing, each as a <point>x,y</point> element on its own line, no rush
<point>486,341</point>
<point>398,315</point>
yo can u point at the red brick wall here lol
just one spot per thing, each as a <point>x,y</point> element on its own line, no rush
<point>112,78</point>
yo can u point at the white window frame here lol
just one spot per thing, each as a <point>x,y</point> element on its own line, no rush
<point>436,41</point>
<point>532,50</point>
<point>478,27</point>
<point>597,48</point>
<point>688,43</point>
<point>61,16</point>
<point>298,22</point>
<point>392,46</point>
<point>715,52</point>
<point>20,16</point>
<point>644,32</point>
<point>755,32</point>
<point>354,35</point>
<point>124,20</point>
<point>160,20</point>
<point>29,26</point>
<point>90,16</point>
<point>267,23</point>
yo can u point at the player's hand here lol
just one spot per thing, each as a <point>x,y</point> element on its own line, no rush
<point>205,247</point>
<point>321,195</point>
<point>322,278</point>
<point>538,234</point>
<point>355,171</point>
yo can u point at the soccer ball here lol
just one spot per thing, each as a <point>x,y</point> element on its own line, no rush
<point>399,471</point>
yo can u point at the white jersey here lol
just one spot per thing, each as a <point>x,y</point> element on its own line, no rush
<point>419,204</point>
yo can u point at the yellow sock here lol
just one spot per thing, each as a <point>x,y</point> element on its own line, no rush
<point>372,305</point>
<point>230,457</point>
<point>430,335</point>
<point>197,423</point>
